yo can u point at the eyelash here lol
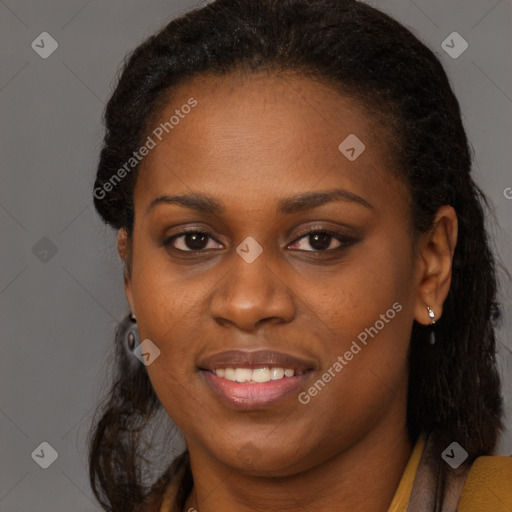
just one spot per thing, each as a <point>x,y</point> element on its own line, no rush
<point>345,241</point>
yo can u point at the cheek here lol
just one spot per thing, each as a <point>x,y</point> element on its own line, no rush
<point>374,276</point>
<point>367,307</point>
<point>162,313</point>
<point>163,295</point>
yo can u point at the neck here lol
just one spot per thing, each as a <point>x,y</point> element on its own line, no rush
<point>362,478</point>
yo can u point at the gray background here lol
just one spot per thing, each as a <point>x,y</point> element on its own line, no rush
<point>58,312</point>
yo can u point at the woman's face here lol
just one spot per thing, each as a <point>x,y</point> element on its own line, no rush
<point>254,158</point>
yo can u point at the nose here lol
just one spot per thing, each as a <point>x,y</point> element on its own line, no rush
<point>250,295</point>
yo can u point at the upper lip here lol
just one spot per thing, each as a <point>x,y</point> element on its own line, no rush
<point>255,359</point>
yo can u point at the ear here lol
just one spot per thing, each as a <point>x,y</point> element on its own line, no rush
<point>124,250</point>
<point>434,265</point>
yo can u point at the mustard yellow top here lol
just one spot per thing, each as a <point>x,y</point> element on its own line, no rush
<point>488,487</point>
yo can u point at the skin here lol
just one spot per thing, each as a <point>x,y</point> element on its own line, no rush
<point>251,141</point>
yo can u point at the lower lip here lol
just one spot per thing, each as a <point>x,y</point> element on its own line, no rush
<point>243,395</point>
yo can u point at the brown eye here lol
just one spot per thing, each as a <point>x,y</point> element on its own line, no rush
<point>189,241</point>
<point>321,240</point>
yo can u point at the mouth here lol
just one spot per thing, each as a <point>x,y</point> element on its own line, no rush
<point>254,380</point>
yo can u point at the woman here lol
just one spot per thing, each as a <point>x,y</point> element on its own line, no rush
<point>311,288</point>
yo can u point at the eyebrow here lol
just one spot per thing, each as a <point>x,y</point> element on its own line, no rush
<point>294,204</point>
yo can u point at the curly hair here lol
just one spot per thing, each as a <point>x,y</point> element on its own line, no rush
<point>454,386</point>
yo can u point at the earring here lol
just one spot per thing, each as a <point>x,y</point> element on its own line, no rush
<point>132,337</point>
<point>432,335</point>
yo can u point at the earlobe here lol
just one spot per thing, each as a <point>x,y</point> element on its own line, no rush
<point>435,265</point>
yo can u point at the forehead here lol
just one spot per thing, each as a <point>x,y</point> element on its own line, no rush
<point>254,136</point>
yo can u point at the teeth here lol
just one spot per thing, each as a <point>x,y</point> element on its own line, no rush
<point>276,373</point>
<point>243,374</point>
<point>229,373</point>
<point>258,375</point>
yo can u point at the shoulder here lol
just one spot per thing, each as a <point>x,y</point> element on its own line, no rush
<point>488,486</point>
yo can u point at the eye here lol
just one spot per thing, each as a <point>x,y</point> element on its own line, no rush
<point>191,241</point>
<point>318,239</point>
<point>321,240</point>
